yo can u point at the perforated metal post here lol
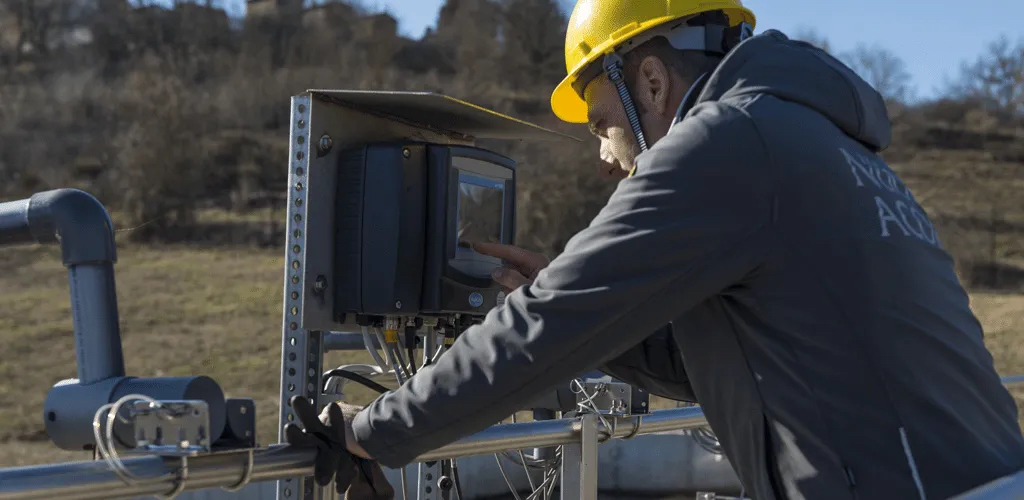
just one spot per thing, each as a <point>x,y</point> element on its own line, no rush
<point>427,487</point>
<point>302,350</point>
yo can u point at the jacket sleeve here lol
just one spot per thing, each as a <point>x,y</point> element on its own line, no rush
<point>691,223</point>
<point>655,365</point>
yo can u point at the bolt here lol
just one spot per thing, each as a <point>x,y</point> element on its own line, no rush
<point>320,284</point>
<point>406,153</point>
<point>445,483</point>
<point>325,145</point>
<point>398,304</point>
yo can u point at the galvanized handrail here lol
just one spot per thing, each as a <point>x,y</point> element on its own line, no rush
<point>95,480</point>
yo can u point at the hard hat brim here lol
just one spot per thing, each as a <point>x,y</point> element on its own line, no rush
<point>567,104</point>
<point>570,107</point>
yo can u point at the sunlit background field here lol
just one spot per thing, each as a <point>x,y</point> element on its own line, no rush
<point>176,119</point>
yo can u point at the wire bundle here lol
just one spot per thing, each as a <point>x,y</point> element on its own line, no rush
<point>106,449</point>
<point>106,446</point>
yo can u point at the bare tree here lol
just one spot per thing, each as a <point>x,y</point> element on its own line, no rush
<point>811,36</point>
<point>533,34</point>
<point>883,69</point>
<point>468,33</point>
<point>995,79</point>
<point>41,25</point>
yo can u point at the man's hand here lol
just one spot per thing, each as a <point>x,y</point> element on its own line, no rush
<point>347,414</point>
<point>521,268</point>
<point>339,456</point>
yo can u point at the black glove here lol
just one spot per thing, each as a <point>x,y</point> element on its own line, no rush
<point>333,460</point>
<point>370,483</point>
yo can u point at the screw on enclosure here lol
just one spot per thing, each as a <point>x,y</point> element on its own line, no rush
<point>321,284</point>
<point>406,153</point>
<point>398,304</point>
<point>325,144</point>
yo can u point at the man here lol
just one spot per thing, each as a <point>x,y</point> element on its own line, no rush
<point>813,313</point>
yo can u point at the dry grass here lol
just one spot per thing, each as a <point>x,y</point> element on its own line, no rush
<point>216,312</point>
<point>184,311</point>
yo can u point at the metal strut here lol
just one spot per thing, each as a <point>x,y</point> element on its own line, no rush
<point>613,68</point>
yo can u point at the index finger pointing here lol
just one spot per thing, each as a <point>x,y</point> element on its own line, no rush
<point>499,250</point>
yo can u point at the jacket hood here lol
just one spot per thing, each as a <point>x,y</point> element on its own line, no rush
<point>796,71</point>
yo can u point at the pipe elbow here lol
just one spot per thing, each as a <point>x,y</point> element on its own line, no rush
<point>77,221</point>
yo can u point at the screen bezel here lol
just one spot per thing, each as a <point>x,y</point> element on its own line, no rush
<point>489,166</point>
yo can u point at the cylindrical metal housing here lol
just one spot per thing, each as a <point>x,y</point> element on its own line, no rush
<point>70,407</point>
<point>69,410</point>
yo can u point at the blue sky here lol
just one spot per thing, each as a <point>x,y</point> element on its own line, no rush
<point>933,37</point>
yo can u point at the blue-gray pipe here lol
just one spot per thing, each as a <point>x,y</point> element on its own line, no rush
<point>82,226</point>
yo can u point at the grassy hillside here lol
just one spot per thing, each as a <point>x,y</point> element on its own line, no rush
<point>216,312</point>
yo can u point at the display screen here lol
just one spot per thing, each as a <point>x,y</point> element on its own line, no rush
<point>481,206</point>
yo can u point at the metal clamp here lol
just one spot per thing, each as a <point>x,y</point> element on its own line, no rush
<point>171,428</point>
<point>179,482</point>
<point>246,475</point>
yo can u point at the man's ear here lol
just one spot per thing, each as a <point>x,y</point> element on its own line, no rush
<point>652,88</point>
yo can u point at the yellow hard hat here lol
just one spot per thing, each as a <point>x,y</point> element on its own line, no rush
<point>597,27</point>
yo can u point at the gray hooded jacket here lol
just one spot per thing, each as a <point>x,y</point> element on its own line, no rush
<point>820,322</point>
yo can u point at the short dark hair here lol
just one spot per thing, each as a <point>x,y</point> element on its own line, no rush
<point>688,64</point>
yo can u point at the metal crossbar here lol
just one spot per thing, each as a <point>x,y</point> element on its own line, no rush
<point>94,480</point>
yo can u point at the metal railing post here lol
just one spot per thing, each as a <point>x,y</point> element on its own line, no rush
<point>571,476</point>
<point>588,457</point>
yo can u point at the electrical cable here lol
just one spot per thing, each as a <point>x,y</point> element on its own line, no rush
<point>399,358</point>
<point>396,361</point>
<point>556,475</point>
<point>708,441</point>
<point>587,405</point>
<point>455,477</point>
<point>107,448</point>
<point>412,359</point>
<point>547,487</point>
<point>523,458</point>
<point>355,377</point>
<point>531,463</point>
<point>429,344</point>
<point>550,468</point>
<point>410,346</point>
<point>497,458</point>
<point>368,343</point>
<point>547,484</point>
<point>384,345</point>
<point>405,485</point>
